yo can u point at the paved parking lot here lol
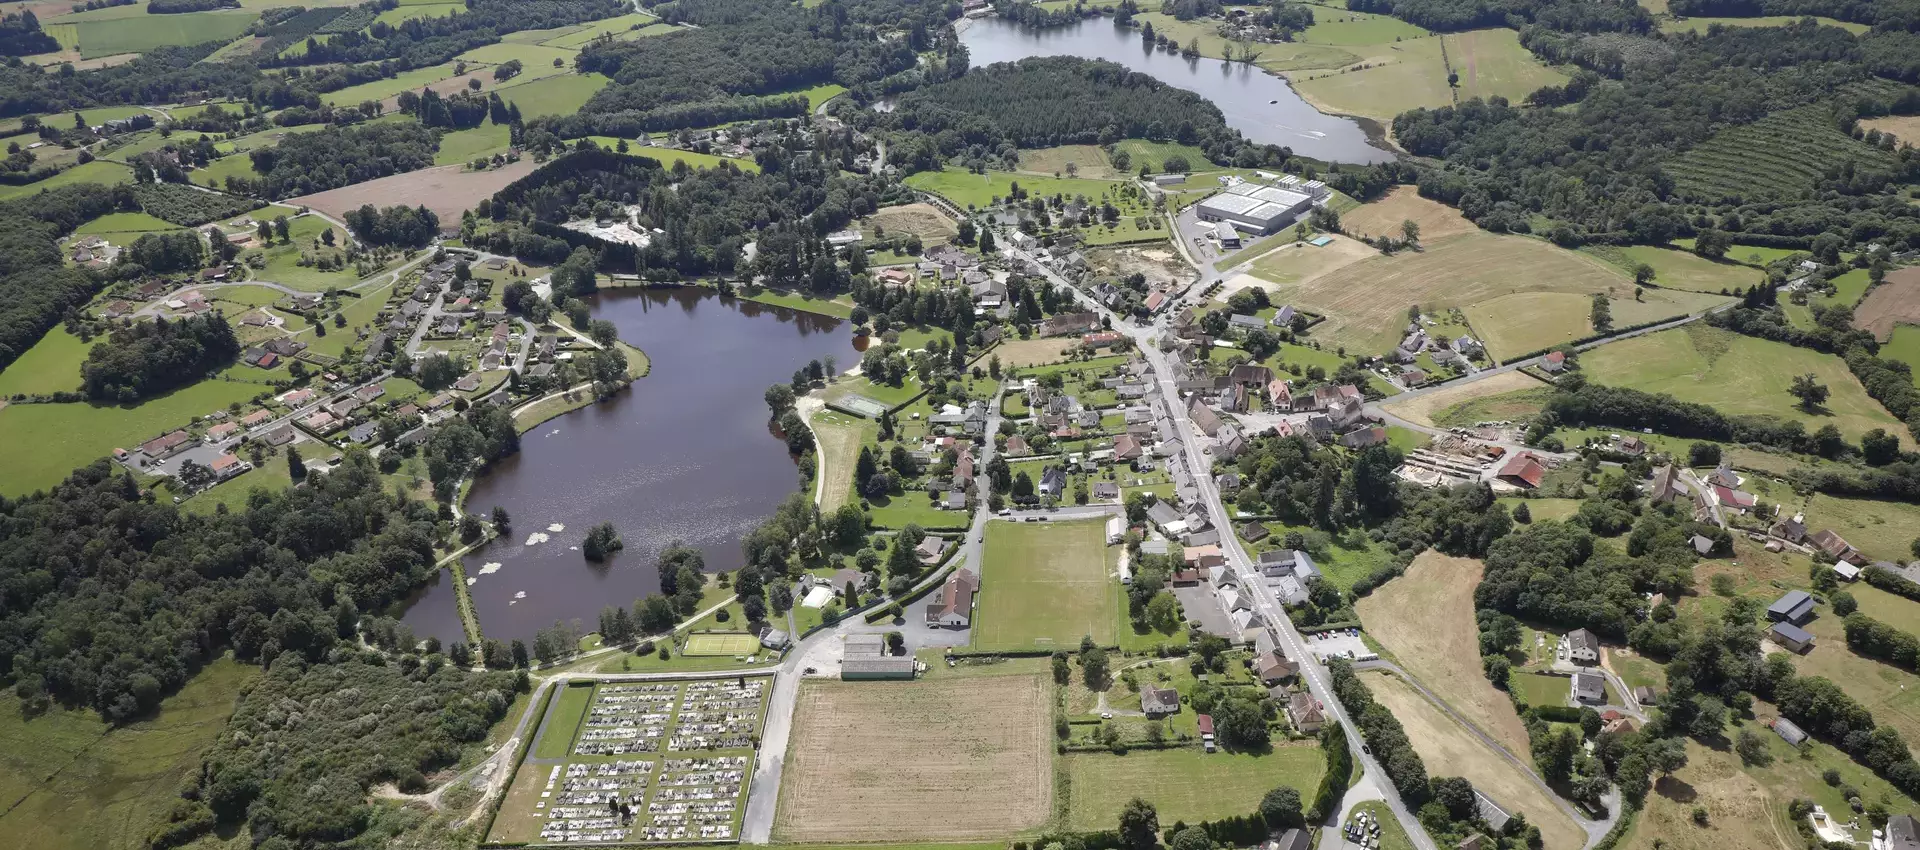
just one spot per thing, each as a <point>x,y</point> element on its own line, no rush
<point>1338,644</point>
<point>1201,604</point>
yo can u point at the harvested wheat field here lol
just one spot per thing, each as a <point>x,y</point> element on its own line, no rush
<point>1425,618</point>
<point>921,220</point>
<point>1450,750</point>
<point>1021,353</point>
<point>1906,128</point>
<point>1420,409</point>
<point>1300,263</point>
<point>1383,217</point>
<point>448,190</point>
<point>880,761</point>
<point>1895,301</point>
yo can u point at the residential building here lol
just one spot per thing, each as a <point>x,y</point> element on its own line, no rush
<point>221,432</point>
<point>1645,696</point>
<point>1589,688</point>
<point>1159,702</point>
<point>1305,713</point>
<point>1555,361</point>
<point>227,466</point>
<point>1831,544</point>
<point>1903,833</point>
<point>952,605</point>
<point>1583,647</point>
<point>1274,668</point>
<point>1253,532</point>
<point>166,446</point>
<point>1053,482</point>
<point>1796,607</point>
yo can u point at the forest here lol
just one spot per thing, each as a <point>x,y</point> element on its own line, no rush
<point>20,35</point>
<point>1883,14</point>
<point>36,288</point>
<point>177,7</point>
<point>419,42</point>
<point>1043,102</point>
<point>146,359</point>
<point>304,163</point>
<point>397,225</point>
<point>1563,15</point>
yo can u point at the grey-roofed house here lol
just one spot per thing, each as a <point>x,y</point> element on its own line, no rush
<point>1583,646</point>
<point>1159,702</point>
<point>1702,544</point>
<point>1589,687</point>
<point>1162,514</point>
<point>1795,607</point>
<point>1790,636</point>
<point>1645,696</point>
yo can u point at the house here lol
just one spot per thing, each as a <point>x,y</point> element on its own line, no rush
<point>1555,361</point>
<point>1589,687</point>
<point>1292,839</point>
<point>1831,544</point>
<point>1583,646</point>
<point>364,432</point>
<point>1796,607</point>
<point>343,407</point>
<point>1523,470</point>
<point>1106,491</point>
<point>1162,514</point>
<point>280,436</point>
<point>1790,636</point>
<point>1631,446</point>
<point>1074,324</point>
<point>1053,482</point>
<point>1159,702</point>
<point>1250,375</point>
<point>1738,500</point>
<point>1702,544</point>
<point>1475,841</point>
<point>1791,734</point>
<point>1305,713</point>
<point>1245,322</point>
<point>227,466</point>
<point>1283,317</point>
<point>321,422</point>
<point>221,432</point>
<point>370,392</point>
<point>1645,696</point>
<point>1204,418</point>
<point>952,605</point>
<point>1364,437</point>
<point>1017,446</point>
<point>1274,668</point>
<point>162,447</point>
<point>468,382</point>
<point>297,398</point>
<point>1468,346</point>
<point>1253,532</point>
<point>1849,572</point>
<point>1666,485</point>
<point>1288,562</point>
<point>256,419</point>
<point>1203,557</point>
<point>1791,530</point>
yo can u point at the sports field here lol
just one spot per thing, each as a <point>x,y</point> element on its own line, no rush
<point>720,644</point>
<point>868,761</point>
<point>1045,586</point>
<point>1186,784</point>
<point>1738,374</point>
<point>1425,618</point>
<point>1450,750</point>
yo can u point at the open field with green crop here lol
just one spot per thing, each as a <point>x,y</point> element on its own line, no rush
<point>393,17</point>
<point>968,190</point>
<point>1185,784</point>
<point>41,443</point>
<point>71,782</point>
<point>1686,270</point>
<point>561,95</point>
<point>1737,375</point>
<point>1154,155</point>
<point>103,172</point>
<point>609,26</point>
<point>382,89</point>
<point>125,227</point>
<point>1425,618</point>
<point>1045,586</point>
<point>463,146</point>
<point>1781,154</point>
<point>52,365</point>
<point>1904,346</point>
<point>96,37</point>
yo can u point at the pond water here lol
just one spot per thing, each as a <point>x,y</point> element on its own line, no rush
<point>1261,106</point>
<point>687,454</point>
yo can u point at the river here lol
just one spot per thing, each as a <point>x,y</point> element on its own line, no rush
<point>1261,106</point>
<point>686,454</point>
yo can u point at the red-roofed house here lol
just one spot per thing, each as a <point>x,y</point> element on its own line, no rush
<point>1524,469</point>
<point>1737,499</point>
<point>1554,361</point>
<point>227,466</point>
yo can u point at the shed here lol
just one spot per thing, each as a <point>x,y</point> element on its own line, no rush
<point>1789,732</point>
<point>867,668</point>
<point>1790,636</point>
<point>1795,607</point>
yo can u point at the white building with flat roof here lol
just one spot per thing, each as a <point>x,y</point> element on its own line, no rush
<point>1256,207</point>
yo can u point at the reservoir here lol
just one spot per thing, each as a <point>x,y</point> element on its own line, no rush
<point>1242,91</point>
<point>686,454</point>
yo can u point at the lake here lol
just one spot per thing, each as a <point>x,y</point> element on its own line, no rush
<point>1241,91</point>
<point>686,454</point>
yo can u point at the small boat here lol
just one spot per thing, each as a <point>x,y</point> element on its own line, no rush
<point>1273,101</point>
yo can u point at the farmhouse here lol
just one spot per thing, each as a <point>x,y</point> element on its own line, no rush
<point>1833,545</point>
<point>1554,361</point>
<point>1523,470</point>
<point>1794,608</point>
<point>1790,636</point>
<point>1589,687</point>
<point>1159,702</point>
<point>1583,646</point>
<point>1254,207</point>
<point>952,605</point>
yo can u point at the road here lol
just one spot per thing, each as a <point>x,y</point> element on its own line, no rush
<point>1199,464</point>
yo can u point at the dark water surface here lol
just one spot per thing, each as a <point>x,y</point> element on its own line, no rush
<point>686,454</point>
<point>1241,91</point>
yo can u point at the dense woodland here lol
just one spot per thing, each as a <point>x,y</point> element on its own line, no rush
<point>36,289</point>
<point>20,35</point>
<point>1566,15</point>
<point>148,358</point>
<point>186,205</point>
<point>403,226</point>
<point>304,163</point>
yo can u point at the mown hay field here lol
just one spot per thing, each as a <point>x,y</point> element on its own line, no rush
<point>873,761</point>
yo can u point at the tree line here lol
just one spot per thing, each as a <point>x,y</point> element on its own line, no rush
<point>145,359</point>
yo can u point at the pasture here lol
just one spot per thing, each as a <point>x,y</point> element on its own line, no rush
<point>534,56</point>
<point>606,26</point>
<point>1674,269</point>
<point>1441,741</point>
<point>1185,784</point>
<point>559,95</point>
<point>968,190</point>
<point>1895,301</point>
<point>73,782</point>
<point>1383,217</point>
<point>1154,155</point>
<point>1904,346</point>
<point>380,90</point>
<point>1848,287</point>
<point>1338,26</point>
<point>107,36</point>
<point>1412,72</point>
<point>1737,375</point>
<point>1069,161</point>
<point>721,644</point>
<point>52,365</point>
<point>1883,530</point>
<point>1516,324</point>
<point>101,171</point>
<point>40,444</point>
<point>918,741</point>
<point>1045,586</point>
<point>1509,395</point>
<point>1782,154</point>
<point>448,190</point>
<point>464,146</point>
<point>1425,618</point>
<point>1284,56</point>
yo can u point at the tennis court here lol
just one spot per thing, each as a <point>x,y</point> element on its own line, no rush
<point>721,644</point>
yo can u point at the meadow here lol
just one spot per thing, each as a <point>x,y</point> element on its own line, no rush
<point>1737,375</point>
<point>101,171</point>
<point>1412,72</point>
<point>382,89</point>
<point>968,190</point>
<point>125,227</point>
<point>1045,586</point>
<point>669,156</point>
<point>609,26</point>
<point>558,95</point>
<point>43,443</point>
<point>52,365</point>
<point>463,146</point>
<point>1904,346</point>
<point>1286,56</point>
<point>1511,395</point>
<point>96,37</point>
<point>1185,784</point>
<point>537,59</point>
<point>1673,269</point>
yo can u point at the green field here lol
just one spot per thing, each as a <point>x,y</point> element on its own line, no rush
<point>1154,154</point>
<point>669,156</point>
<point>1753,255</point>
<point>1044,586</point>
<point>1284,56</point>
<point>1681,269</point>
<point>562,95</point>
<point>393,17</point>
<point>721,644</point>
<point>1848,289</point>
<point>537,58</point>
<point>1700,25</point>
<point>968,190</point>
<point>1338,26</point>
<point>283,259</point>
<point>563,720</point>
<point>383,89</point>
<point>1540,689</point>
<point>610,26</point>
<point>1780,155</point>
<point>99,171</point>
<point>272,476</point>
<point>1737,375</point>
<point>1185,784</point>
<point>463,146</point>
<point>98,37</point>
<point>215,174</point>
<point>1413,73</point>
<point>52,365</point>
<point>125,226</point>
<point>1904,346</point>
<point>1883,530</point>
<point>71,782</point>
<point>821,94</point>
<point>41,443</point>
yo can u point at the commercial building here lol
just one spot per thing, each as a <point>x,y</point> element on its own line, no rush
<point>1254,207</point>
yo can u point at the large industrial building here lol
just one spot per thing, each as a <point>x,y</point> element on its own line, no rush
<point>1260,208</point>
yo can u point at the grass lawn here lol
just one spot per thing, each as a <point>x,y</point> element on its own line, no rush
<point>1185,784</point>
<point>1737,374</point>
<point>561,95</point>
<point>1848,289</point>
<point>1680,269</point>
<point>887,395</point>
<point>1154,155</point>
<point>101,171</point>
<point>41,443</point>
<point>1883,530</point>
<point>271,476</point>
<point>969,190</point>
<point>52,365</point>
<point>71,782</point>
<point>563,721</point>
<point>463,146</point>
<point>1539,689</point>
<point>125,227</point>
<point>1045,585</point>
<point>215,174</point>
<point>382,89</point>
<point>1899,612</point>
<point>808,304</point>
